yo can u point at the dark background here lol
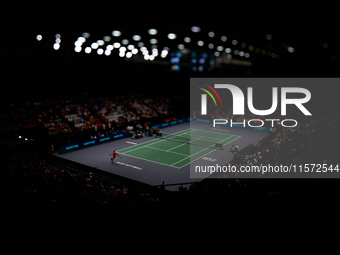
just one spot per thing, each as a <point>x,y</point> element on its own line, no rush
<point>30,72</point>
<point>30,68</point>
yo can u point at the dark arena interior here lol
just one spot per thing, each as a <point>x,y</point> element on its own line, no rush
<point>82,80</point>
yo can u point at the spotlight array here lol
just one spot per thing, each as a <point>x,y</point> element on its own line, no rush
<point>151,44</point>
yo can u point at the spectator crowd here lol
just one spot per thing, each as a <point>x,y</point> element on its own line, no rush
<point>33,179</point>
<point>68,121</point>
<point>37,181</point>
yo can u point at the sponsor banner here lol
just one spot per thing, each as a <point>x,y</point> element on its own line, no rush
<point>85,144</point>
<point>171,123</point>
<point>100,140</point>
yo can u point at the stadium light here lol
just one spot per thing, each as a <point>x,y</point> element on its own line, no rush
<point>172,36</point>
<point>107,38</point>
<point>100,51</point>
<point>116,45</point>
<point>164,53</point>
<point>81,39</point>
<point>78,43</point>
<point>56,46</point>
<point>77,49</point>
<point>94,46</point>
<point>152,31</point>
<point>291,49</point>
<point>39,37</point>
<point>155,52</point>
<point>269,37</point>
<point>211,34</point>
<point>116,33</point>
<point>195,29</point>
<point>136,37</point>
<point>100,42</point>
<point>153,41</point>
<point>223,38</point>
<point>88,50</point>
<point>200,43</point>
<point>86,35</point>
<point>187,39</point>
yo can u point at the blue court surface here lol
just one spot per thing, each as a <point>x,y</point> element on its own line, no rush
<point>166,158</point>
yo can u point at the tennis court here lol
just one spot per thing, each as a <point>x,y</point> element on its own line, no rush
<point>179,149</point>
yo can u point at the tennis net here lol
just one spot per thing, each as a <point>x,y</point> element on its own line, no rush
<point>190,139</point>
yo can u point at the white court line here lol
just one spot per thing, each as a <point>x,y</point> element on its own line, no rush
<point>177,147</point>
<point>207,138</point>
<point>167,151</point>
<point>206,131</point>
<point>212,151</point>
<point>145,146</point>
<point>220,130</point>
<point>152,142</point>
<point>182,133</point>
<point>150,160</point>
<point>198,152</point>
<point>203,150</point>
<point>184,144</point>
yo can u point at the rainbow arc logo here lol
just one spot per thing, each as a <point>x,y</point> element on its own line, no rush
<point>204,97</point>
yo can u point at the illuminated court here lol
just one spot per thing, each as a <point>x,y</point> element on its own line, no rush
<point>167,158</point>
<point>179,149</point>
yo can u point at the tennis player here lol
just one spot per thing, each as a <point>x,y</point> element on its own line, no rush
<point>114,154</point>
